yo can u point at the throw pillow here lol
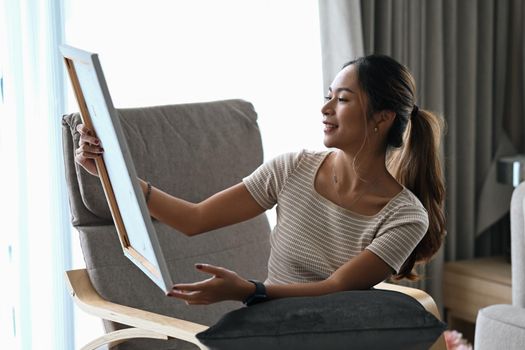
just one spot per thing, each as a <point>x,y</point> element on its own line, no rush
<point>371,319</point>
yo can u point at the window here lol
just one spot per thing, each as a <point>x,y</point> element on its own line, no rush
<point>169,52</point>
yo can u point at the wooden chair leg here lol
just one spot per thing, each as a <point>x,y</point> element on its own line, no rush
<point>116,337</point>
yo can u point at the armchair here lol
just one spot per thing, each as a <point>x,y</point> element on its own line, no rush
<point>503,326</point>
<point>191,151</point>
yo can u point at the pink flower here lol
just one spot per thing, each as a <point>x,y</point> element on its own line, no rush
<point>455,341</point>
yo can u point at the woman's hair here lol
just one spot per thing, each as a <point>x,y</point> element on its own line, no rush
<point>413,144</point>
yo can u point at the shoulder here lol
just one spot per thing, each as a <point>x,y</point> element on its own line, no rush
<point>408,198</point>
<point>407,207</point>
<point>314,155</point>
<point>295,159</point>
<point>310,158</point>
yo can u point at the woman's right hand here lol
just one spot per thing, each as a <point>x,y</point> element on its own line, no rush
<point>89,148</point>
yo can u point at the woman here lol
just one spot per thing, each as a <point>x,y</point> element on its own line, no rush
<point>347,219</point>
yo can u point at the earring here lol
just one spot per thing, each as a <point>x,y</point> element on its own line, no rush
<point>376,129</point>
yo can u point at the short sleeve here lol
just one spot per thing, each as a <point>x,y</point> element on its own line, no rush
<point>267,181</point>
<point>399,235</point>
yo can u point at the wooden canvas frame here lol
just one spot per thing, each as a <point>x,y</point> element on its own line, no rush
<point>136,233</point>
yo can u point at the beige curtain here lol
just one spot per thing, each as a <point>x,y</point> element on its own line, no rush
<point>467,58</point>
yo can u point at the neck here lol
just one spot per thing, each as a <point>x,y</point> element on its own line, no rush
<point>353,173</point>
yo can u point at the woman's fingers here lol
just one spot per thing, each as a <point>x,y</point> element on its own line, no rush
<point>184,294</point>
<point>91,149</point>
<point>198,293</point>
<point>224,285</point>
<point>84,130</point>
<point>190,297</point>
<point>88,151</point>
<point>211,269</point>
<point>88,140</point>
<point>197,286</point>
<point>87,136</point>
<point>88,144</point>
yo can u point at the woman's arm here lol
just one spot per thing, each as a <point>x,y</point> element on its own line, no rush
<point>362,272</point>
<point>230,206</point>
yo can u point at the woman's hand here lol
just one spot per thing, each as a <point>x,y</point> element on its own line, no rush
<point>224,285</point>
<point>88,149</point>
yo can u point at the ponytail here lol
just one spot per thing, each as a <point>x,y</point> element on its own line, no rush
<point>417,166</point>
<point>413,144</point>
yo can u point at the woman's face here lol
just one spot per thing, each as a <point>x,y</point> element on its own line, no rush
<point>344,114</point>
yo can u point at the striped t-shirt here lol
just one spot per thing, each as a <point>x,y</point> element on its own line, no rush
<point>313,236</point>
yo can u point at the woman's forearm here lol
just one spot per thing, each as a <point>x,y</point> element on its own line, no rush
<point>230,206</point>
<point>301,289</point>
<point>361,272</point>
<point>175,212</point>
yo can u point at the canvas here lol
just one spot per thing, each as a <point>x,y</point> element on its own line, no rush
<point>116,170</point>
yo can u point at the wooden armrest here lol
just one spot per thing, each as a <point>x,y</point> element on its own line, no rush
<point>424,299</point>
<point>87,298</point>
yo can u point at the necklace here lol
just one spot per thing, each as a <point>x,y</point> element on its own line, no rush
<point>357,198</point>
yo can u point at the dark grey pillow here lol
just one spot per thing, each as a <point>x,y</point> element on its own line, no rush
<point>371,319</point>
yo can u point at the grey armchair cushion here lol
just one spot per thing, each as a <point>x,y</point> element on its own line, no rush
<point>188,150</point>
<point>372,319</point>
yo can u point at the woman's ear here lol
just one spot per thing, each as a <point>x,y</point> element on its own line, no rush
<point>384,118</point>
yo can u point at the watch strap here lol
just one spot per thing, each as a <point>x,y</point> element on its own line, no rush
<point>258,296</point>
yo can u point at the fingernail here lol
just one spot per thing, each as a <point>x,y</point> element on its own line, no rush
<point>97,142</point>
<point>199,266</point>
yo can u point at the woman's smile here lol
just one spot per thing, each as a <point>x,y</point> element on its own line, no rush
<point>329,127</point>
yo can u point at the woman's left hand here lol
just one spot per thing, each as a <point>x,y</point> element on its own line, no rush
<point>223,285</point>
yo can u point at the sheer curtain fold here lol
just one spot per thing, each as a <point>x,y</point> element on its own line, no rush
<point>35,227</point>
<point>467,58</point>
<point>343,39</point>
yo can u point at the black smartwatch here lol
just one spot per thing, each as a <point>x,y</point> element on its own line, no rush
<point>258,296</point>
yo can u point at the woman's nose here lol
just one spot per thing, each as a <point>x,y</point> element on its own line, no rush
<point>326,109</point>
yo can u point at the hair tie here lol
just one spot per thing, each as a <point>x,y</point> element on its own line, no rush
<point>415,110</point>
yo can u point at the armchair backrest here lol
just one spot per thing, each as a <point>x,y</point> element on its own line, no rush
<point>517,219</point>
<point>191,151</point>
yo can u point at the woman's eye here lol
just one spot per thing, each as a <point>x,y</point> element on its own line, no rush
<point>339,99</point>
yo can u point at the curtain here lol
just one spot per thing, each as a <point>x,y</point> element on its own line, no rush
<point>467,58</point>
<point>35,239</point>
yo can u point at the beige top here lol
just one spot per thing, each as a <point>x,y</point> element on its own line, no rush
<point>313,236</point>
